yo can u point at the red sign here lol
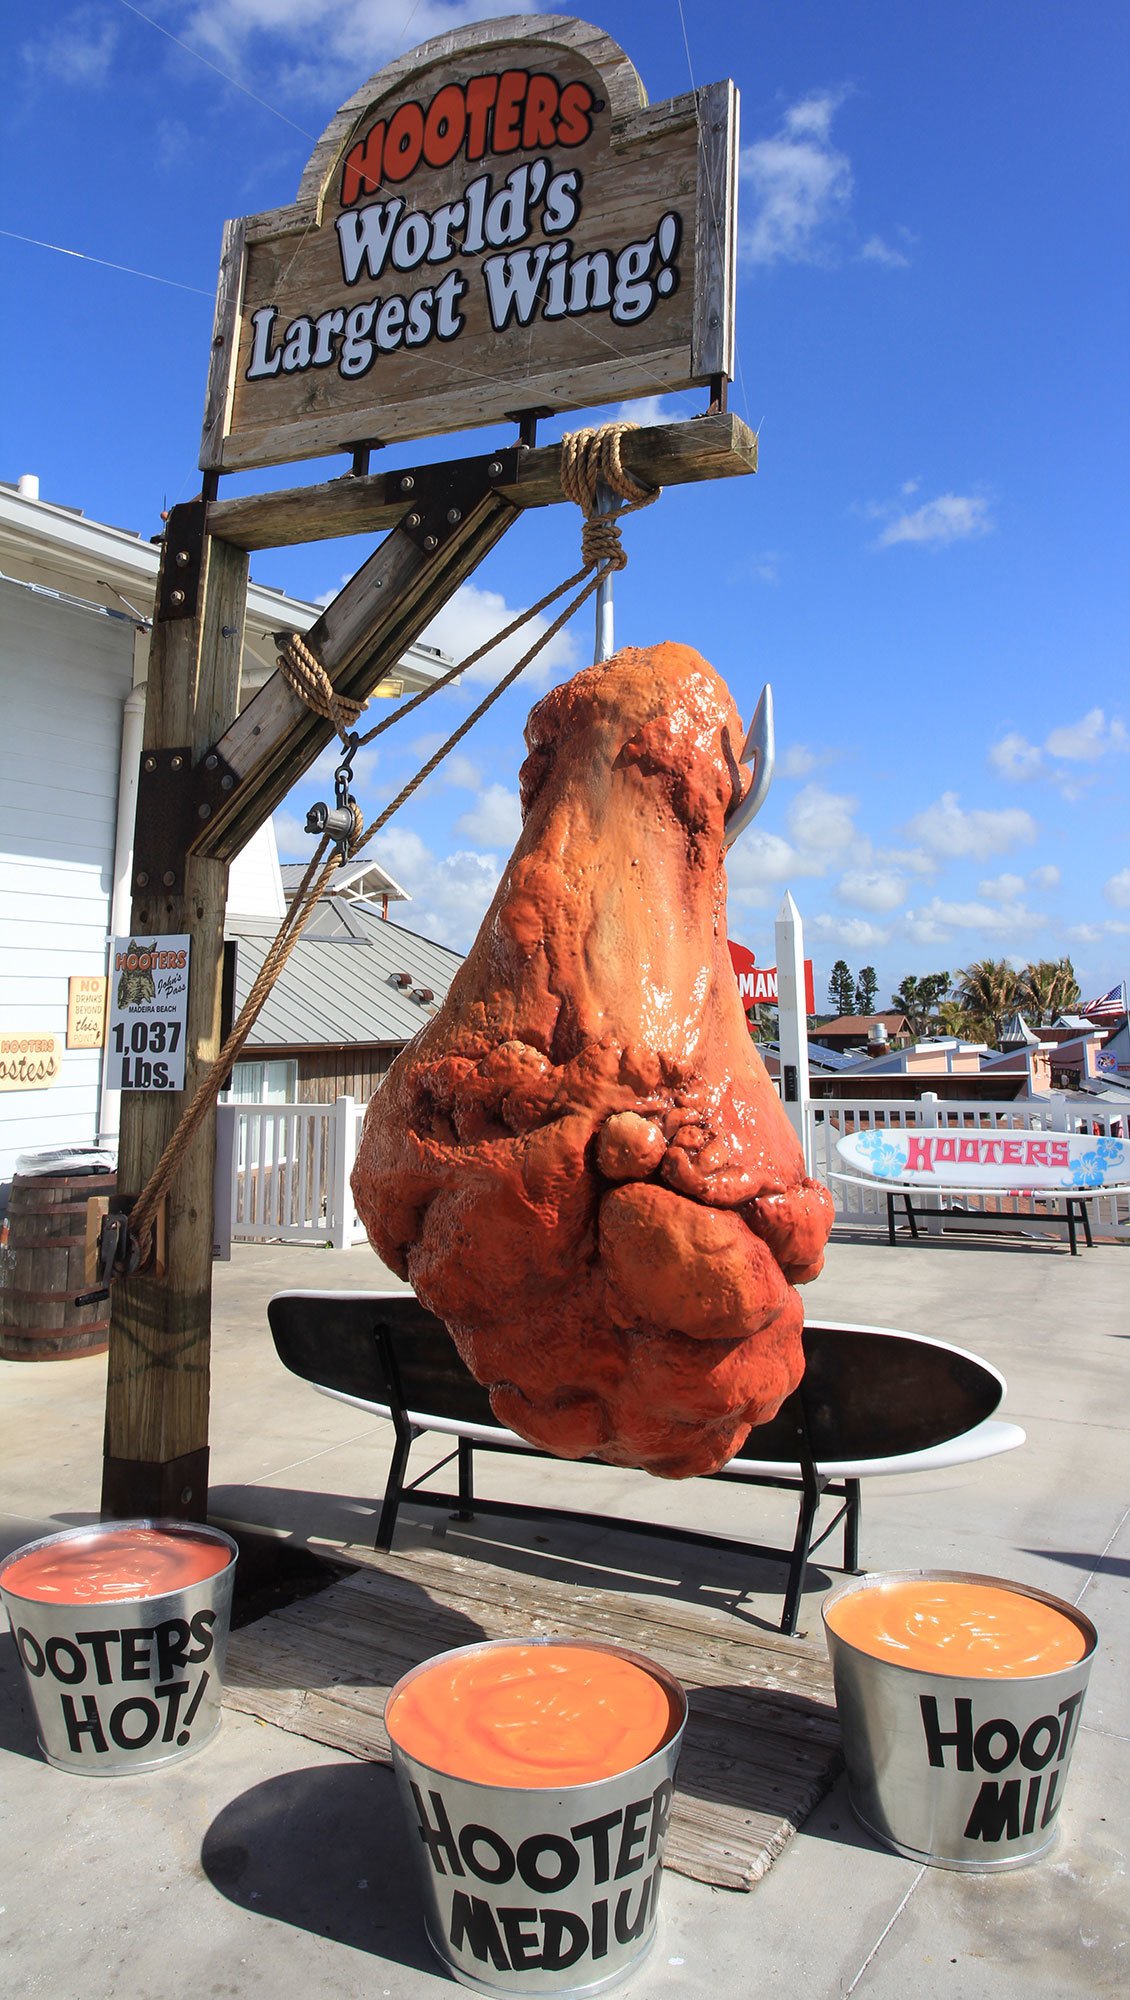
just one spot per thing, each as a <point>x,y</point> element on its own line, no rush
<point>757,984</point>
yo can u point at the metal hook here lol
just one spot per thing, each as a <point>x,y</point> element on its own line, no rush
<point>760,751</point>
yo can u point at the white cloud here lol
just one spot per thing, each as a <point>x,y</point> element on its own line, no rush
<point>872,889</point>
<point>764,566</point>
<point>758,861</point>
<point>291,837</point>
<point>915,859</point>
<point>450,893</point>
<point>495,820</point>
<point>474,615</point>
<point>944,828</point>
<point>1015,757</point>
<point>821,824</point>
<point>79,50</point>
<point>952,517</point>
<point>876,251</point>
<point>1046,877</point>
<point>323,40</point>
<point>941,916</point>
<point>648,410</point>
<point>799,184</point>
<point>1117,889</point>
<point>854,933</point>
<point>1004,888</point>
<point>1088,739</point>
<point>797,761</point>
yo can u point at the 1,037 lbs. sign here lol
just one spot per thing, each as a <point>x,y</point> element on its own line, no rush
<point>148,1013</point>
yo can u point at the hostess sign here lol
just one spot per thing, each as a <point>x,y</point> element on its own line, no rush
<point>495,223</point>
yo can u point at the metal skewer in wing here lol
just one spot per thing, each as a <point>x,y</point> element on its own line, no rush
<point>760,751</point>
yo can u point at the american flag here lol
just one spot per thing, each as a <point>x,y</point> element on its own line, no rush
<point>1110,1006</point>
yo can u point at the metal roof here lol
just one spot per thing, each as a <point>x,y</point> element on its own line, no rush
<point>340,984</point>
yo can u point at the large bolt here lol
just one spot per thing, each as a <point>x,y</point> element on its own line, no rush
<point>151,763</point>
<point>454,514</point>
<point>182,558</point>
<point>168,878</point>
<point>227,782</point>
<point>142,879</point>
<point>211,761</point>
<point>176,597</point>
<point>407,483</point>
<point>431,541</point>
<point>494,469</point>
<point>204,812</point>
<point>413,521</point>
<point>175,763</point>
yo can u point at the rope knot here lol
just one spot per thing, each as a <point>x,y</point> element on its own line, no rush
<point>590,460</point>
<point>304,673</point>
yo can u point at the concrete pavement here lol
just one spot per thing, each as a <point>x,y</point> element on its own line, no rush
<point>273,1866</point>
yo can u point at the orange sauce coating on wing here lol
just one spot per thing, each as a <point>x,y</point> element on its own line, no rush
<point>124,1563</point>
<point>973,1629</point>
<point>532,1716</point>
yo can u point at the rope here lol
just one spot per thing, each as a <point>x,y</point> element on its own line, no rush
<point>589,459</point>
<point>303,671</point>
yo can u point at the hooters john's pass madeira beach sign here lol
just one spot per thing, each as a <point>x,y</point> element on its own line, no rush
<point>497,222</point>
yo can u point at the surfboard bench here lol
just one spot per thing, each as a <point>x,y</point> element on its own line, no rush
<point>872,1400</point>
<point>1073,1217</point>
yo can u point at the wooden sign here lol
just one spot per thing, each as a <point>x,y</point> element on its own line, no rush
<point>86,1010</point>
<point>496,223</point>
<point>29,1060</point>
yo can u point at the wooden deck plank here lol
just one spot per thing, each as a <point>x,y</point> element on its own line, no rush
<point>762,1742</point>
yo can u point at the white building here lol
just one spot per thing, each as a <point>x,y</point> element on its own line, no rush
<point>76,601</point>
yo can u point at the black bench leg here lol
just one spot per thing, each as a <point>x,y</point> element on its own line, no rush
<point>852,1511</point>
<point>466,1480</point>
<point>394,1492</point>
<point>1071,1228</point>
<point>798,1563</point>
<point>890,1217</point>
<point>910,1217</point>
<point>1085,1219</point>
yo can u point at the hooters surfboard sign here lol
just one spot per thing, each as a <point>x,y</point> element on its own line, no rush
<point>1011,1160</point>
<point>495,223</point>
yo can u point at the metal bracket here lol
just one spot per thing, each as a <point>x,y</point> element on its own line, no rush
<point>175,801</point>
<point>182,560</point>
<point>438,496</point>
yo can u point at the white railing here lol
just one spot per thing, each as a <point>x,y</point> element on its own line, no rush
<point>282,1174</point>
<point>831,1118</point>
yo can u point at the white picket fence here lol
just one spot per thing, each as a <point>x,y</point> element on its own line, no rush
<point>282,1170</point>
<point>282,1174</point>
<point>831,1118</point>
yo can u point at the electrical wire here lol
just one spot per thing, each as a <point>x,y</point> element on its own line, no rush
<point>85,258</point>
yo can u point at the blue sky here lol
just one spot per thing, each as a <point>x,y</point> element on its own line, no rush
<point>930,566</point>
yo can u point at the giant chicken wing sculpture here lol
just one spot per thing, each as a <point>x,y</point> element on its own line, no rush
<point>580,1164</point>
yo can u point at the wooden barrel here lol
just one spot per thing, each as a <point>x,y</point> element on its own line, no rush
<point>44,1270</point>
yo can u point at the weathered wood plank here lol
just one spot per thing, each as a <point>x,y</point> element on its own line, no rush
<point>760,1749</point>
<point>707,447</point>
<point>157,1390</point>
<point>359,638</point>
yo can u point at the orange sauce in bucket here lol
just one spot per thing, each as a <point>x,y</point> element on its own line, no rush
<point>975,1630</point>
<point>122,1563</point>
<point>532,1716</point>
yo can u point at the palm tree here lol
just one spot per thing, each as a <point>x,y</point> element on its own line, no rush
<point>990,991</point>
<point>951,1018</point>
<point>1050,989</point>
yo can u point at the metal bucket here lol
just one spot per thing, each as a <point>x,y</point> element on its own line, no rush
<point>124,1684</point>
<point>541,1891</point>
<point>967,1773</point>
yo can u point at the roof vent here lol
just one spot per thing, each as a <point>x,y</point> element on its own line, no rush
<point>401,978</point>
<point>424,995</point>
<point>27,486</point>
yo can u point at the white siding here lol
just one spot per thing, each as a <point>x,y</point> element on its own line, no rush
<point>64,673</point>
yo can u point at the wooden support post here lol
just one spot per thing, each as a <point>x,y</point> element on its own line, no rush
<point>156,1444</point>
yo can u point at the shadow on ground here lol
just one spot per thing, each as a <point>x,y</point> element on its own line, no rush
<point>324,1850</point>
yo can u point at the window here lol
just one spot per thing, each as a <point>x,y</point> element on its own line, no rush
<point>264,1082</point>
